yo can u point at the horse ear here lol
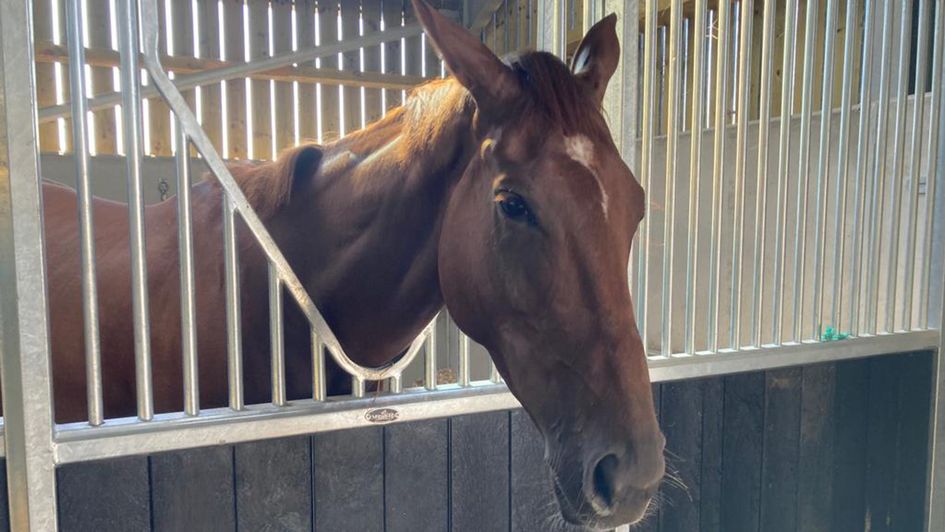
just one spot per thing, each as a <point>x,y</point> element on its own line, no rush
<point>596,57</point>
<point>491,82</point>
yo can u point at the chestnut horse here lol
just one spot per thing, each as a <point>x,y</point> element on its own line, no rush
<point>498,192</point>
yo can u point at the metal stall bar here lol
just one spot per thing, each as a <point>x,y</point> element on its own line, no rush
<point>695,176</point>
<point>761,174</point>
<point>718,174</point>
<point>931,211</point>
<point>463,376</point>
<point>319,386</point>
<point>646,164</point>
<point>898,174</point>
<point>234,336</point>
<point>80,148</point>
<point>741,155</point>
<point>877,202</point>
<point>916,163</point>
<point>131,127</point>
<point>551,28</point>
<point>784,159</point>
<point>429,361</point>
<point>843,162</point>
<point>188,307</point>
<point>669,207</point>
<point>858,229</point>
<point>24,326</point>
<point>823,168</point>
<point>803,187</point>
<point>276,339</point>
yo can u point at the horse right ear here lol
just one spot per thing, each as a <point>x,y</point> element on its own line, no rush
<point>491,82</point>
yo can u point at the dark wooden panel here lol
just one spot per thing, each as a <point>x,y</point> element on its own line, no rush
<point>815,462</point>
<point>416,476</point>
<point>274,484</point>
<point>881,438</point>
<point>710,504</point>
<point>4,507</point>
<point>849,464</point>
<point>681,415</point>
<point>102,496</point>
<point>193,490</point>
<point>779,465</point>
<point>479,472</point>
<point>915,392</point>
<point>349,480</point>
<point>533,501</point>
<point>742,451</point>
<point>651,523</point>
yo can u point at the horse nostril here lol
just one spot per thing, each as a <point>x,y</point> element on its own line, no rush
<point>605,475</point>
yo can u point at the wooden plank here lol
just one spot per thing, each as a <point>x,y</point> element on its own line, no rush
<point>782,419</point>
<point>330,108</point>
<point>654,514</point>
<point>350,14</point>
<point>479,471</point>
<point>710,487</point>
<point>371,13</point>
<point>274,484</point>
<point>235,121</point>
<point>193,490</point>
<point>849,464</point>
<point>416,476</point>
<point>393,13</point>
<point>915,393</point>
<point>742,444</point>
<point>211,96</point>
<point>349,479</point>
<point>681,414</point>
<point>817,435</point>
<point>533,499</point>
<point>157,119</point>
<point>103,496</point>
<point>183,16</point>
<point>284,94</point>
<point>102,81</point>
<point>260,102</point>
<point>46,72</point>
<point>881,446</point>
<point>308,98</point>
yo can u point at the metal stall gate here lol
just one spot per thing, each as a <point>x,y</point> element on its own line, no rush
<point>794,211</point>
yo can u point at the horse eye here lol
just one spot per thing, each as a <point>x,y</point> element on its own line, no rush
<point>512,205</point>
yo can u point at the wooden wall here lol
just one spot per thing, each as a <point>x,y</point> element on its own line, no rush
<point>830,447</point>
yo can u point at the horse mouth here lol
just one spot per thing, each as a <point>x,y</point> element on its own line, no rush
<point>580,520</point>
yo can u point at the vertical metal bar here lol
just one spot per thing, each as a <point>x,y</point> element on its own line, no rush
<point>397,383</point>
<point>131,126</point>
<point>823,168</point>
<point>695,175</point>
<point>646,162</point>
<point>761,176</point>
<point>843,163</point>
<point>319,387</point>
<point>902,96</point>
<point>590,14</point>
<point>741,156</point>
<point>80,146</point>
<point>276,338</point>
<point>234,335</point>
<point>879,177</point>
<point>925,301</point>
<point>429,361</point>
<point>858,228</point>
<point>188,312</point>
<point>494,375</point>
<point>803,157</point>
<point>561,42</point>
<point>463,360</point>
<point>24,326</point>
<point>915,164</point>
<point>784,159</point>
<point>669,207</point>
<point>718,175</point>
<point>357,387</point>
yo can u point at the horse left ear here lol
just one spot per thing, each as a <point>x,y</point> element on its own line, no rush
<point>596,57</point>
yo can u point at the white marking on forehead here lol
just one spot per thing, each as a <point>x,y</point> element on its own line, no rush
<point>581,150</point>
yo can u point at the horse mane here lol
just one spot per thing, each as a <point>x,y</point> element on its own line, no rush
<point>268,185</point>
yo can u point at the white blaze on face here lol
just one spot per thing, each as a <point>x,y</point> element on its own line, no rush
<point>581,150</point>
